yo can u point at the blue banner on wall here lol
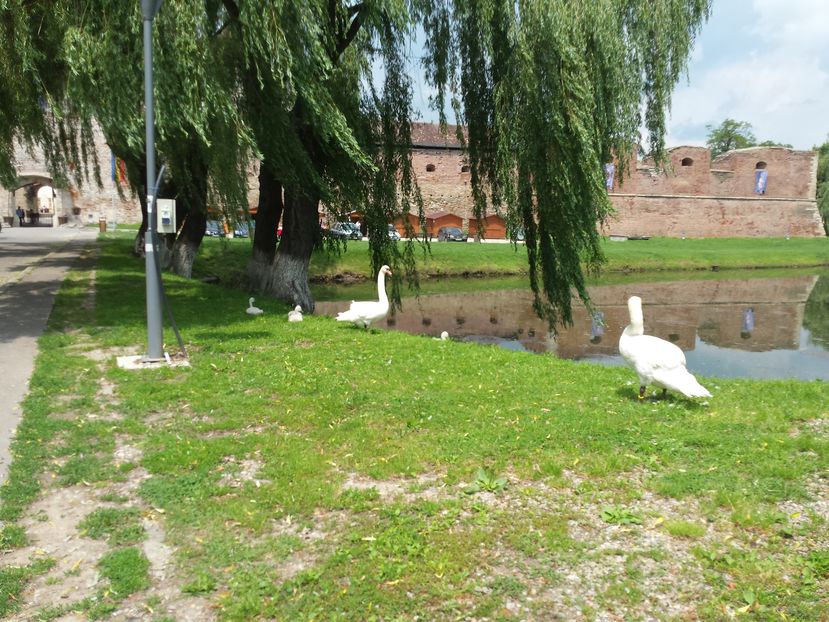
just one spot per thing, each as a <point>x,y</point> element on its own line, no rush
<point>609,172</point>
<point>760,179</point>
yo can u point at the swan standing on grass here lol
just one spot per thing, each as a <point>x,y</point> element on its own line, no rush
<point>295,315</point>
<point>655,360</point>
<point>365,312</point>
<point>251,310</point>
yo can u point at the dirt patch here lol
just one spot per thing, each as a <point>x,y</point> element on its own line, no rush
<point>424,487</point>
<point>236,473</point>
<point>51,526</point>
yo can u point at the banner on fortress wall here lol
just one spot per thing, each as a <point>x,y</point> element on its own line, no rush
<point>760,179</point>
<point>119,170</point>
<point>609,172</point>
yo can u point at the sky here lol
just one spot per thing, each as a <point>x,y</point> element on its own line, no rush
<point>765,62</point>
<point>761,61</point>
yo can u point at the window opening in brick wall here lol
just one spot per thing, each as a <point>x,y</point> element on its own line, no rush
<point>430,168</point>
<point>687,162</point>
<point>760,165</point>
<point>464,169</point>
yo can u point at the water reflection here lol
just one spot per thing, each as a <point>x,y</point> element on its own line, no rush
<point>739,327</point>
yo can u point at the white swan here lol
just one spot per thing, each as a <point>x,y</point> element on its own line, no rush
<point>365,312</point>
<point>251,310</point>
<point>655,360</point>
<point>295,315</point>
<point>444,336</point>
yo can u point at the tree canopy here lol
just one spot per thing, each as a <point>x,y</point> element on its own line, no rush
<point>319,93</point>
<point>731,134</point>
<point>823,183</point>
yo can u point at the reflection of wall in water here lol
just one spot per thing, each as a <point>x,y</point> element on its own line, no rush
<point>676,311</point>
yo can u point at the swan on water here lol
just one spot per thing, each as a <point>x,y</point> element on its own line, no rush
<point>363,313</point>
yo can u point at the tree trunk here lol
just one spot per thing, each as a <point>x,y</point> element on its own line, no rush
<point>268,213</point>
<point>138,243</point>
<point>191,209</point>
<point>289,274</point>
<point>187,244</point>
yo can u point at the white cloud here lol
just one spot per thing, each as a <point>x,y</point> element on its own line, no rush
<point>776,78</point>
<point>795,25</point>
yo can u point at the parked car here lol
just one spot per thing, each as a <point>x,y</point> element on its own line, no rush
<point>214,229</point>
<point>345,231</point>
<point>519,235</point>
<point>393,234</point>
<point>241,230</point>
<point>451,234</point>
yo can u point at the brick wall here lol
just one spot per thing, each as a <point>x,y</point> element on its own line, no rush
<point>82,204</point>
<point>688,216</point>
<point>695,197</point>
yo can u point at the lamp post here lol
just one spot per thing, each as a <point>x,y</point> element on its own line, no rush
<point>155,347</point>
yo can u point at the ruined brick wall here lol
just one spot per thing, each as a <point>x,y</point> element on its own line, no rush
<point>78,204</point>
<point>443,182</point>
<point>672,216</point>
<point>693,196</point>
<point>697,197</point>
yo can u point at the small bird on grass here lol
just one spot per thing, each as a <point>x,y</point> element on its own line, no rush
<point>251,310</point>
<point>295,315</point>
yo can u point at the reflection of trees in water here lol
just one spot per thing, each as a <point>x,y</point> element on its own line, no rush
<point>816,314</point>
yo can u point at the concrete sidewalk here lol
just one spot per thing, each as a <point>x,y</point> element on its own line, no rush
<point>33,264</point>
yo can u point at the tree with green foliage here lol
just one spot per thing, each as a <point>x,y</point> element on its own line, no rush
<point>731,134</point>
<point>823,183</point>
<point>728,135</point>
<point>546,91</point>
<point>320,92</point>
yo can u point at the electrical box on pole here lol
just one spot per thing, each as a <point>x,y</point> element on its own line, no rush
<point>166,210</point>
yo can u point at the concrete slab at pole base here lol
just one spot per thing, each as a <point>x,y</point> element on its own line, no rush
<point>140,361</point>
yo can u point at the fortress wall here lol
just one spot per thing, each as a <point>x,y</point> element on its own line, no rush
<point>689,216</point>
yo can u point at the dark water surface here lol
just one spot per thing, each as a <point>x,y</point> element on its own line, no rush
<point>743,325</point>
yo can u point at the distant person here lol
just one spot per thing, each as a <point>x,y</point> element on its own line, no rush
<point>20,215</point>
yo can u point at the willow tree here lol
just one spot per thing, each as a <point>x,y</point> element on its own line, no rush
<point>320,92</point>
<point>200,137</point>
<point>547,91</point>
<point>66,68</point>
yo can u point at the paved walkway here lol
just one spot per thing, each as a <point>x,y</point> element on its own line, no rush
<point>33,264</point>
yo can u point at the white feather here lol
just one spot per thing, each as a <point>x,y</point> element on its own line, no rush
<point>251,310</point>
<point>655,360</point>
<point>363,313</point>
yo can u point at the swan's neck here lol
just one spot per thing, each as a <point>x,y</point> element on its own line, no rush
<point>381,287</point>
<point>637,320</point>
<point>634,329</point>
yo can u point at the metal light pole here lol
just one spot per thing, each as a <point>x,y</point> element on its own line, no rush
<point>155,347</point>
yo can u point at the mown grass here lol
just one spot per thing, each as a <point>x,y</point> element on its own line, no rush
<point>315,404</point>
<point>227,258</point>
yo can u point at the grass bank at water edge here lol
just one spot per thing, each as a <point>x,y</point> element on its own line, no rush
<point>315,471</point>
<point>228,258</point>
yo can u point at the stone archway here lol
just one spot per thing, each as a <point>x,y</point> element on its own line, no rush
<point>42,203</point>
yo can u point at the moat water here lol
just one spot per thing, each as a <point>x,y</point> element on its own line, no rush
<point>742,324</point>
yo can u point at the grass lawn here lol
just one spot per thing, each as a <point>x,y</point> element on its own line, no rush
<point>228,258</point>
<point>315,471</point>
